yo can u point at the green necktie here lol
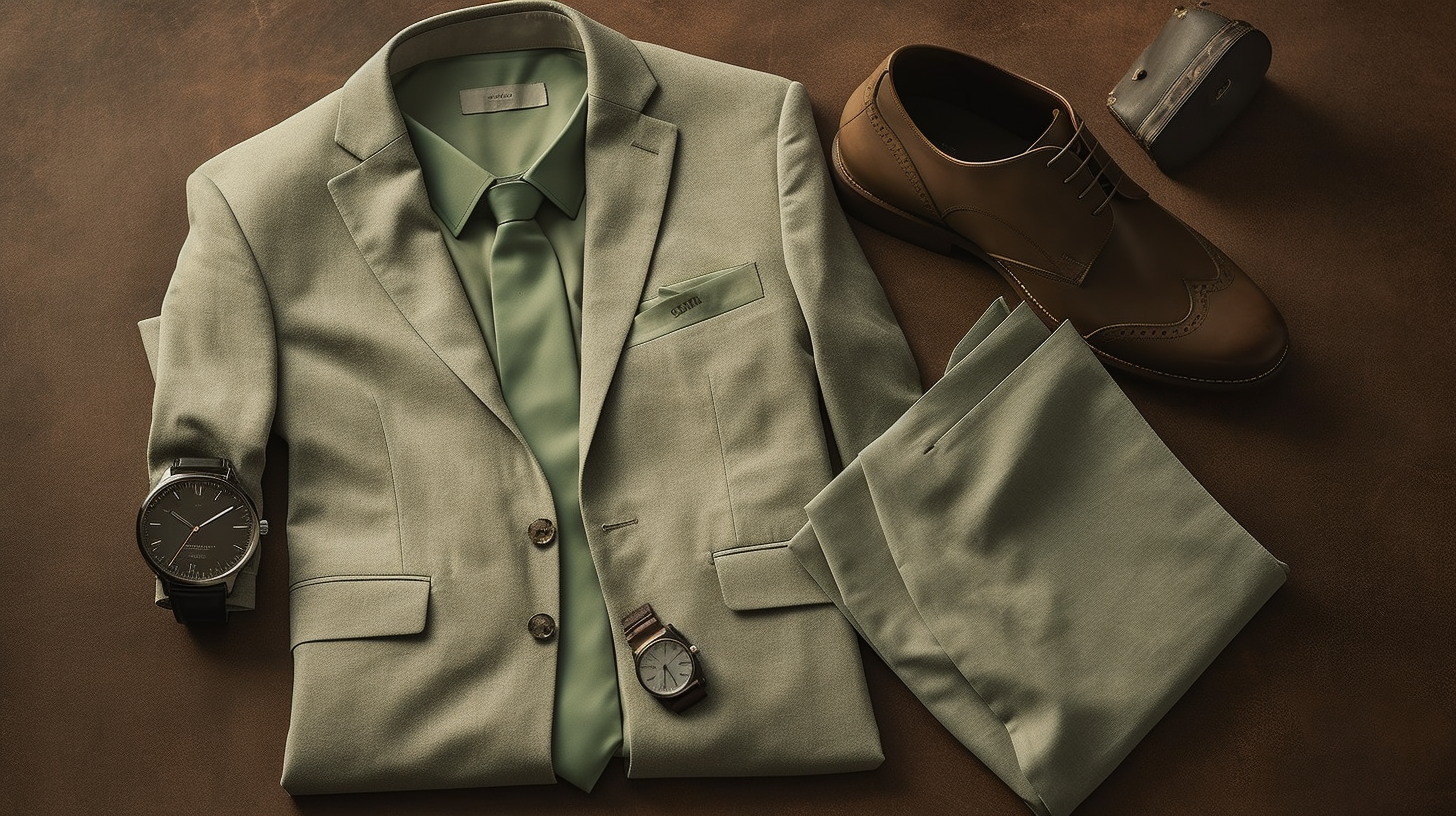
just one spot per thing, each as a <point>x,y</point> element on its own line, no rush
<point>541,380</point>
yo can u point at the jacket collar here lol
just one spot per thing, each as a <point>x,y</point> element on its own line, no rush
<point>369,118</point>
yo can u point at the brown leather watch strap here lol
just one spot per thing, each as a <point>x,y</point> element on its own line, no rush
<point>641,625</point>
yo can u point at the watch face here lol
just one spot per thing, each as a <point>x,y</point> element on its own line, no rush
<point>665,667</point>
<point>197,529</point>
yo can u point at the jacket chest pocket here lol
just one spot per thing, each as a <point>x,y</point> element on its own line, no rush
<point>692,301</point>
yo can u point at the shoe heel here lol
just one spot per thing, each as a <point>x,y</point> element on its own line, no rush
<point>901,225</point>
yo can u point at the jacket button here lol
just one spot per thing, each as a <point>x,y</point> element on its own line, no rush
<point>541,626</point>
<point>542,532</point>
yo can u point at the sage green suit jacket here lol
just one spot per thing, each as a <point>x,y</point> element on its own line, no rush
<point>1017,544</point>
<point>314,298</point>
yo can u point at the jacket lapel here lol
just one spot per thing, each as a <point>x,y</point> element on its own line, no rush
<point>629,168</point>
<point>629,160</point>
<point>384,205</point>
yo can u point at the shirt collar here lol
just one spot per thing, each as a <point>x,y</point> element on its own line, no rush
<point>456,184</point>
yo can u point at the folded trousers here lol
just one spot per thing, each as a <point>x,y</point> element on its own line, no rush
<point>1031,560</point>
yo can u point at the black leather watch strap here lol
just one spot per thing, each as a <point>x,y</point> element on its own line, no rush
<point>198,605</point>
<point>200,464</point>
<point>690,696</point>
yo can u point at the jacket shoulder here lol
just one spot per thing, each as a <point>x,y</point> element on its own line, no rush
<point>278,179</point>
<point>298,148</point>
<point>703,87</point>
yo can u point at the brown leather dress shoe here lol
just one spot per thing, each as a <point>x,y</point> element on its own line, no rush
<point>952,153</point>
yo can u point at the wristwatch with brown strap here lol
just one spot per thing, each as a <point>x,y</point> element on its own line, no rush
<point>667,664</point>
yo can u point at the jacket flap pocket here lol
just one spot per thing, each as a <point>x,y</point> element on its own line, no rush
<point>357,606</point>
<point>694,300</point>
<point>764,576</point>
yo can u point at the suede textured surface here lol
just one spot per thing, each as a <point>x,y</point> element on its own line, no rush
<point>1333,191</point>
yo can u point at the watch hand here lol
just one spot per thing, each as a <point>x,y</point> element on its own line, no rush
<point>215,518</point>
<point>179,518</point>
<point>181,548</point>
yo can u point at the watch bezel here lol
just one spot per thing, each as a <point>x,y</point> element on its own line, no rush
<point>692,651</point>
<point>254,533</point>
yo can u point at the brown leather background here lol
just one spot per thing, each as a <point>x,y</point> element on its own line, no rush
<point>1335,191</point>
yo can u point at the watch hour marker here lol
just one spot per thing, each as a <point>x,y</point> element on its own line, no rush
<point>197,489</point>
<point>218,496</point>
<point>240,526</point>
<point>155,523</point>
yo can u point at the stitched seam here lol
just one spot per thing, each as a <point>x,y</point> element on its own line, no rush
<point>1042,272</point>
<point>393,482</point>
<point>914,128</point>
<point>1162,113</point>
<point>1121,362</point>
<point>1027,295</point>
<point>849,179</point>
<point>722,457</point>
<point>1198,296</point>
<point>1014,229</point>
<point>1223,277</point>
<point>845,176</point>
<point>1197,315</point>
<point>897,150</point>
<point>1125,126</point>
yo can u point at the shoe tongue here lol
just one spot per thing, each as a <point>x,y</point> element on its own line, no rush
<point>1058,133</point>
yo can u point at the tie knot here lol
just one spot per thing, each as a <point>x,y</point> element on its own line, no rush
<point>513,201</point>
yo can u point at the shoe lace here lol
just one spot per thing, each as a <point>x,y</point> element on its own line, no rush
<point>1095,157</point>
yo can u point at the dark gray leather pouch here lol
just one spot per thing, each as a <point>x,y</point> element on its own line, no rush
<point>1190,84</point>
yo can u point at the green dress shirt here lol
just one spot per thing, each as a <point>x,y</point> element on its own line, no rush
<point>475,120</point>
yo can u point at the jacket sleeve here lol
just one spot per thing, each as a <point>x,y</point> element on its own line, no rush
<point>867,377</point>
<point>216,361</point>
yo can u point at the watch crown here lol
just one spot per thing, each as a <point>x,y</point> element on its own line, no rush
<point>262,526</point>
<point>693,649</point>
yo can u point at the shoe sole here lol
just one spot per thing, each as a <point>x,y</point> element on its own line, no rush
<point>886,217</point>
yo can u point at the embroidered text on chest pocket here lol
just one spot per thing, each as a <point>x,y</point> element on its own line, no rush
<point>694,300</point>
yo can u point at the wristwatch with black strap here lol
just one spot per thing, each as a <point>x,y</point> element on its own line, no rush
<point>197,529</point>
<point>667,663</point>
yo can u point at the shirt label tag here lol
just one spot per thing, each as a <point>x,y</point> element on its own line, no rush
<point>503,98</point>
